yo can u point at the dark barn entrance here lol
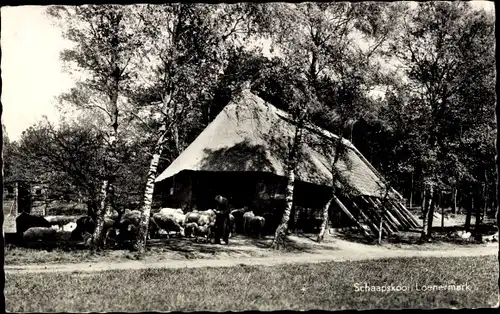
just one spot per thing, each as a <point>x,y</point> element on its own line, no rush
<point>260,192</point>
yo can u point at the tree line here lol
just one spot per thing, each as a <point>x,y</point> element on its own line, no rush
<point>411,85</point>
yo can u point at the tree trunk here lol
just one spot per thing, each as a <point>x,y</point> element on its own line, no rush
<point>454,202</point>
<point>424,199</point>
<point>106,183</point>
<point>425,208</point>
<point>110,163</point>
<point>428,206</point>
<point>470,209</point>
<point>442,212</point>
<point>485,199</point>
<point>148,196</point>
<point>291,221</point>
<point>477,231</point>
<point>280,234</point>
<point>380,230</point>
<point>324,223</point>
<point>411,191</point>
<point>97,237</point>
<point>432,207</point>
<point>175,135</point>
<point>497,192</point>
<point>109,177</point>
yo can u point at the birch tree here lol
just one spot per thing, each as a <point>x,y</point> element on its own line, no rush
<point>497,190</point>
<point>105,43</point>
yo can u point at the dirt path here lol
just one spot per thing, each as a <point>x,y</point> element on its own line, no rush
<point>345,251</point>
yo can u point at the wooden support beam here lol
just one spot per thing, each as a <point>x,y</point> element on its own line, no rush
<point>388,214</point>
<point>367,220</point>
<point>373,208</point>
<point>407,213</point>
<point>402,219</point>
<point>408,218</point>
<point>400,213</point>
<point>348,213</point>
<point>390,224</point>
<point>410,222</point>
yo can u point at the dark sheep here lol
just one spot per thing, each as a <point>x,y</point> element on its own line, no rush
<point>87,225</point>
<point>25,221</point>
<point>256,225</point>
<point>39,233</point>
<point>128,227</point>
<point>190,229</point>
<point>238,220</point>
<point>232,226</point>
<point>203,231</point>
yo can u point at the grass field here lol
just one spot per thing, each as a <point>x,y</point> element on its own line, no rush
<point>326,286</point>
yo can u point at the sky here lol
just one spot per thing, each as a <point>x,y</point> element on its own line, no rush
<point>32,74</point>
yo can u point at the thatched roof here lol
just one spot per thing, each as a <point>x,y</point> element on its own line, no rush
<point>252,135</point>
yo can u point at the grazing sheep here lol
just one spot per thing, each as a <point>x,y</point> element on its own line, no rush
<point>172,222</point>
<point>201,218</point>
<point>246,220</point>
<point>39,234</point>
<point>256,225</point>
<point>170,211</point>
<point>237,215</point>
<point>69,226</point>
<point>491,238</point>
<point>190,229</point>
<point>24,221</point>
<point>203,231</point>
<point>86,225</point>
<point>87,238</point>
<point>232,225</point>
<point>465,235</point>
<point>128,227</point>
<point>61,220</point>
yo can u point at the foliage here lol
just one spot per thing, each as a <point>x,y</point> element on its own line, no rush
<point>67,158</point>
<point>447,53</point>
<point>11,162</point>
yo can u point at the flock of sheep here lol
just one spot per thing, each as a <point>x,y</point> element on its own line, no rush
<point>119,229</point>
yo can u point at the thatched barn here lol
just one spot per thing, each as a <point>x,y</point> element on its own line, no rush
<point>242,155</point>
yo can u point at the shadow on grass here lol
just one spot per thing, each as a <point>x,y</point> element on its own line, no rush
<point>63,244</point>
<point>353,235</point>
<point>237,244</point>
<point>289,246</point>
